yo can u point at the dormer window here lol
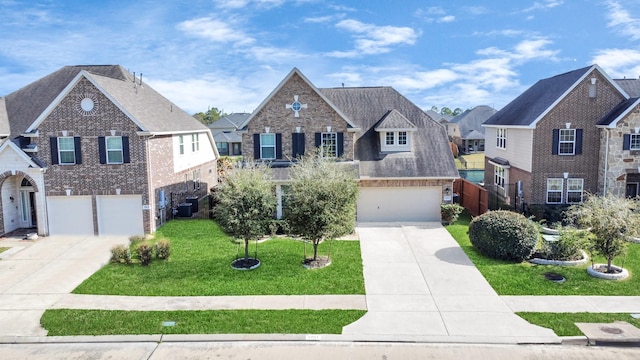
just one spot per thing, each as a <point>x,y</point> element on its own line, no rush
<point>395,132</point>
<point>392,141</point>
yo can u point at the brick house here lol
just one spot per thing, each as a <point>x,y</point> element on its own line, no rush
<point>93,150</point>
<point>401,155</point>
<point>225,133</point>
<point>565,136</point>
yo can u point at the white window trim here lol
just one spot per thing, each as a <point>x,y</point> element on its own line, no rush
<point>60,151</point>
<point>561,191</point>
<point>195,143</point>
<point>573,142</point>
<point>631,147</point>
<point>181,144</point>
<point>499,176</point>
<point>121,150</point>
<point>262,146</point>
<point>501,138</point>
<point>328,135</point>
<point>581,191</point>
<point>396,146</point>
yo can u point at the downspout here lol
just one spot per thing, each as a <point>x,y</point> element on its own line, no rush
<point>606,163</point>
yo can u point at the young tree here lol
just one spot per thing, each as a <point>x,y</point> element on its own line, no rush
<point>246,204</point>
<point>321,202</point>
<point>210,115</point>
<point>611,219</point>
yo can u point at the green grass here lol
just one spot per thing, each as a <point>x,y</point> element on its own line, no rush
<point>509,278</point>
<point>3,249</point>
<point>65,322</point>
<point>200,265</point>
<point>473,161</point>
<point>563,324</point>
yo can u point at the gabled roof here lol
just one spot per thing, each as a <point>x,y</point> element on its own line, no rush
<point>533,104</point>
<point>231,121</point>
<point>630,86</point>
<point>618,113</point>
<point>439,117</point>
<point>366,106</point>
<point>292,73</point>
<point>472,119</point>
<point>229,137</point>
<point>8,144</point>
<point>394,120</point>
<point>473,135</point>
<point>150,111</point>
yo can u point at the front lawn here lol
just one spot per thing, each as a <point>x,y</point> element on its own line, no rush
<point>563,324</point>
<point>199,265</point>
<point>509,278</point>
<point>64,322</point>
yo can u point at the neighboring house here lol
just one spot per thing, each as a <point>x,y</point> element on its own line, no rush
<point>93,150</point>
<point>567,135</point>
<point>466,129</point>
<point>444,120</point>
<point>400,155</point>
<point>226,135</point>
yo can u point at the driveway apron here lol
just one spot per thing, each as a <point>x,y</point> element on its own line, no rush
<point>421,286</point>
<point>36,277</point>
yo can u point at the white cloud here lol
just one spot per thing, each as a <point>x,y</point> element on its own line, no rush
<point>239,4</point>
<point>547,4</point>
<point>621,19</point>
<point>434,14</point>
<point>422,80</point>
<point>447,19</point>
<point>372,39</point>
<point>619,63</point>
<point>214,30</point>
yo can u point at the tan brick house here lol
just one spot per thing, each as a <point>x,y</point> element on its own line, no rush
<point>93,150</point>
<point>401,155</point>
<point>565,136</point>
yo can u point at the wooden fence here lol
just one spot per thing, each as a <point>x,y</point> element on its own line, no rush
<point>472,197</point>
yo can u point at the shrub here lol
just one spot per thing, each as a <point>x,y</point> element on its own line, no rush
<point>163,249</point>
<point>121,254</point>
<point>503,235</point>
<point>450,212</point>
<point>278,227</point>
<point>568,247</point>
<point>145,252</point>
<point>136,239</point>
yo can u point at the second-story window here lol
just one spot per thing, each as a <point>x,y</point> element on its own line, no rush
<point>181,144</point>
<point>66,150</point>
<point>114,150</point>
<point>195,142</point>
<point>501,138</point>
<point>567,142</point>
<point>634,142</point>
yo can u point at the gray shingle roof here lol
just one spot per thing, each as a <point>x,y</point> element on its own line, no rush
<point>231,121</point>
<point>471,120</point>
<point>473,135</point>
<point>618,110</point>
<point>4,119</point>
<point>438,117</point>
<point>394,120</point>
<point>527,108</point>
<point>151,110</point>
<point>366,106</point>
<point>229,137</point>
<point>630,86</point>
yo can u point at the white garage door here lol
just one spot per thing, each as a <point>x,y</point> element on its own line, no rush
<point>70,215</point>
<point>397,204</point>
<point>119,215</point>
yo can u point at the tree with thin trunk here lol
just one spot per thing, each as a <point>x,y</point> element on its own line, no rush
<point>246,204</point>
<point>610,219</point>
<point>321,201</point>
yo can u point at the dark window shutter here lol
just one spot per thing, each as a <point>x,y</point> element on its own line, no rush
<point>297,144</point>
<point>126,158</point>
<point>256,146</point>
<point>578,142</point>
<point>102,149</point>
<point>340,144</point>
<point>318,139</point>
<point>626,142</point>
<point>556,141</point>
<point>77,144</point>
<point>54,150</point>
<point>278,146</point>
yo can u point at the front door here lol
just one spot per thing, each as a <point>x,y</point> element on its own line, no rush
<point>27,208</point>
<point>632,190</point>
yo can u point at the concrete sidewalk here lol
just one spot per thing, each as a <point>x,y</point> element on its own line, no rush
<point>420,286</point>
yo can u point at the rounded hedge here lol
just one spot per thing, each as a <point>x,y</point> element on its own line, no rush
<point>503,235</point>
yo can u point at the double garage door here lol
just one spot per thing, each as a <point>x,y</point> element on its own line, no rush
<point>116,215</point>
<point>399,204</point>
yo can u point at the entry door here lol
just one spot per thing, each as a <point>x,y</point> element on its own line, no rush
<point>632,190</point>
<point>27,208</point>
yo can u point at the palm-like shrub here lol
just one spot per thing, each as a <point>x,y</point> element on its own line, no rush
<point>503,235</point>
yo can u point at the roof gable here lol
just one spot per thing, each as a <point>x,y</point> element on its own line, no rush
<point>618,113</point>
<point>292,73</point>
<point>536,102</point>
<point>11,146</point>
<point>394,120</point>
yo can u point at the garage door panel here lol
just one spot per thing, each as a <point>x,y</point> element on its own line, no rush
<point>70,215</point>
<point>398,204</point>
<point>120,215</point>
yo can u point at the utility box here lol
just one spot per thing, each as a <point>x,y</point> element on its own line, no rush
<point>184,210</point>
<point>193,200</point>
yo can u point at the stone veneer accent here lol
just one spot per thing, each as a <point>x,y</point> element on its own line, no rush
<point>315,118</point>
<point>622,165</point>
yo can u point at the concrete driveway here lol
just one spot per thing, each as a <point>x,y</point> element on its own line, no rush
<point>35,275</point>
<point>421,286</point>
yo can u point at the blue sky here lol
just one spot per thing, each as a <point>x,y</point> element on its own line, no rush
<point>232,54</point>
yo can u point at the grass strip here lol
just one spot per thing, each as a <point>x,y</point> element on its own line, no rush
<point>563,324</point>
<point>66,322</point>
<point>200,265</point>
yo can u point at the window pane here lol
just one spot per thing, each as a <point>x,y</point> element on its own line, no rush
<point>114,157</point>
<point>635,142</point>
<point>67,157</point>
<point>267,139</point>
<point>329,145</point>
<point>114,142</point>
<point>554,197</point>
<point>268,153</point>
<point>65,143</point>
<point>402,138</point>
<point>389,138</point>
